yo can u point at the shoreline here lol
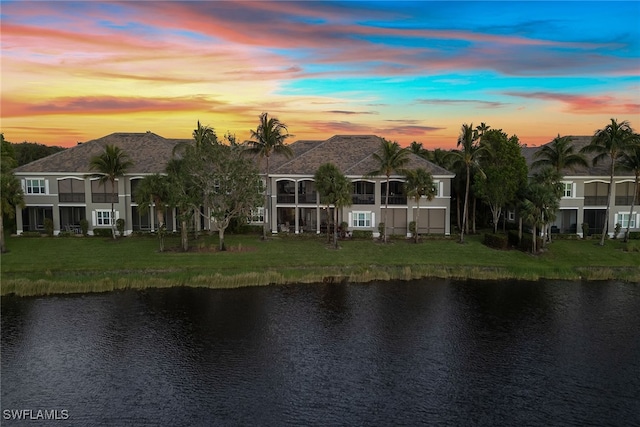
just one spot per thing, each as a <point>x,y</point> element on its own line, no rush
<point>98,283</point>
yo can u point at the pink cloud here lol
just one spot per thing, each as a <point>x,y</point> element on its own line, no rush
<point>583,104</point>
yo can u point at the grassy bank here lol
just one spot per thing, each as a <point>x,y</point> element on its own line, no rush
<point>38,266</point>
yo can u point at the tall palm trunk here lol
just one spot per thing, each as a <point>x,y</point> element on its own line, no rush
<point>2,246</point>
<point>605,228</point>
<point>466,202</point>
<point>113,211</point>
<point>633,202</point>
<point>184,235</point>
<point>416,237</point>
<point>386,211</point>
<point>267,199</point>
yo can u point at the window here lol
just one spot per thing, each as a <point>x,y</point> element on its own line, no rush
<point>623,220</point>
<point>103,218</point>
<point>567,189</point>
<point>36,186</point>
<point>511,215</point>
<point>256,216</point>
<point>361,219</point>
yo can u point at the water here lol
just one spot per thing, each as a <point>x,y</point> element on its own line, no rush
<point>403,353</point>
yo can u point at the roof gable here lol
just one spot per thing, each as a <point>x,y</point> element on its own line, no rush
<point>352,154</point>
<point>148,152</point>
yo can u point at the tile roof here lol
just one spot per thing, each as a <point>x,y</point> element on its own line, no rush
<point>352,154</point>
<point>148,151</point>
<point>602,168</point>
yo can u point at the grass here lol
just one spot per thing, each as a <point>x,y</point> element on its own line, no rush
<point>39,266</point>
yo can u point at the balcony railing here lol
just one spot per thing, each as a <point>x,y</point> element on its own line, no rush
<point>363,199</point>
<point>395,200</point>
<point>307,198</point>
<point>286,198</point>
<point>595,200</point>
<point>624,200</point>
<point>103,198</point>
<point>71,197</point>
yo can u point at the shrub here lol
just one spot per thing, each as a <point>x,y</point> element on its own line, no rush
<point>31,234</point>
<point>120,226</point>
<point>585,229</point>
<point>632,247</point>
<point>84,226</point>
<point>616,230</point>
<point>496,241</point>
<point>362,234</point>
<point>66,234</point>
<point>103,232</point>
<point>635,235</point>
<point>512,237</point>
<point>48,226</point>
<point>381,230</point>
<point>412,227</point>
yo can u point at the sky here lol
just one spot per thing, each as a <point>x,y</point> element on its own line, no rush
<point>405,71</point>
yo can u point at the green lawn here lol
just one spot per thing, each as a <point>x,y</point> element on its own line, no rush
<point>78,264</point>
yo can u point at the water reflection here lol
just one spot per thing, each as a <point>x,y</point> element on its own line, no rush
<point>434,352</point>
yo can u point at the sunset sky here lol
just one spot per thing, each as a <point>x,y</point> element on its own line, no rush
<point>415,71</point>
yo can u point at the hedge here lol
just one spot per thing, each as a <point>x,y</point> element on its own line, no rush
<point>496,241</point>
<point>103,232</point>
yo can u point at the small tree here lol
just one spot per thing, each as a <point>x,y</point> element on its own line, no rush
<point>11,194</point>
<point>153,190</point>
<point>334,189</point>
<point>504,172</point>
<point>418,184</point>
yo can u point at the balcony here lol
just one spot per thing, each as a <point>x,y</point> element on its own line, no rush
<point>103,198</point>
<point>71,197</point>
<point>308,198</point>
<point>286,198</point>
<point>624,200</point>
<point>395,200</point>
<point>595,200</point>
<point>363,199</point>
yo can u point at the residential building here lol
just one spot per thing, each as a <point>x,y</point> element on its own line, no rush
<point>60,187</point>
<point>296,204</point>
<point>584,198</point>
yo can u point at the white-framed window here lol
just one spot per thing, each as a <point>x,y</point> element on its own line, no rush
<point>361,219</point>
<point>256,216</point>
<point>35,186</point>
<point>511,215</point>
<point>622,218</point>
<point>102,218</point>
<point>567,189</point>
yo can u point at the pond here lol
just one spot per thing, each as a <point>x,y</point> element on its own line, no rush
<point>384,353</point>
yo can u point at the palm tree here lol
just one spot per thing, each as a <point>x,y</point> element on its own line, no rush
<point>481,129</point>
<point>11,195</point>
<point>267,139</point>
<point>610,143</point>
<point>110,165</point>
<point>390,158</point>
<point>468,157</point>
<point>154,190</point>
<point>630,160</point>
<point>419,183</point>
<point>541,201</point>
<point>334,189</point>
<point>559,154</point>
<point>417,149</point>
